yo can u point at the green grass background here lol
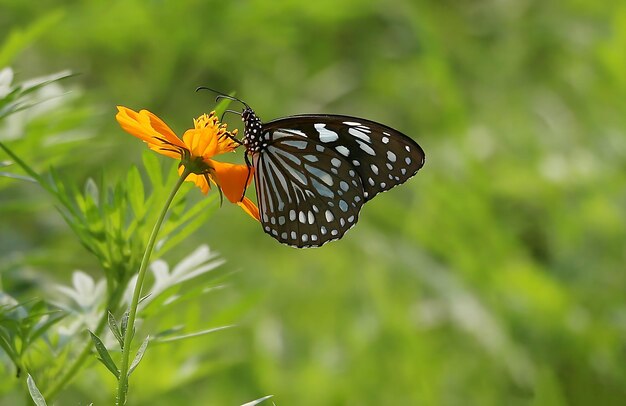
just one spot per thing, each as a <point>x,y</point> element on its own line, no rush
<point>496,276</point>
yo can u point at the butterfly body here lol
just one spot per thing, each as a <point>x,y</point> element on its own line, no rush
<point>314,172</point>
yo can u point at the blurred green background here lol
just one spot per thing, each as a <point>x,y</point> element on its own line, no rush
<point>495,276</point>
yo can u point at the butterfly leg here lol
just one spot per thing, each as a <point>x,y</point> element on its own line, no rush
<point>245,185</point>
<point>232,138</point>
<point>206,176</point>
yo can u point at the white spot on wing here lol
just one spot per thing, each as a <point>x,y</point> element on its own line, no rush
<point>359,134</point>
<point>324,176</point>
<point>285,132</point>
<point>329,217</point>
<point>296,144</point>
<point>343,206</point>
<point>322,189</point>
<point>365,148</point>
<point>344,151</point>
<point>326,135</point>
<point>311,158</point>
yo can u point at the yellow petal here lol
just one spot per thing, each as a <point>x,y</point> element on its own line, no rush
<point>232,179</point>
<point>150,129</point>
<point>249,207</point>
<point>199,180</point>
<point>201,142</point>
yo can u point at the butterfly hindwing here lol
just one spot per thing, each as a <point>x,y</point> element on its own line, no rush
<point>383,157</point>
<point>307,193</point>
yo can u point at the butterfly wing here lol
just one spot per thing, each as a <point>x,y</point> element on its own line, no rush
<point>383,157</point>
<point>314,173</point>
<point>306,193</point>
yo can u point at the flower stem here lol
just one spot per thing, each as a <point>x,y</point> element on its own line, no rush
<point>122,384</point>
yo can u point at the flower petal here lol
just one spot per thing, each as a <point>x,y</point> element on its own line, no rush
<point>231,178</point>
<point>201,142</point>
<point>150,129</point>
<point>249,207</point>
<point>199,180</point>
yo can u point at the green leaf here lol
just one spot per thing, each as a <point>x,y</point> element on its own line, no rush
<point>256,402</point>
<point>222,105</point>
<point>153,169</point>
<point>193,219</point>
<point>18,177</point>
<point>192,335</point>
<point>124,323</point>
<point>55,317</point>
<point>105,357</point>
<point>9,349</point>
<point>91,191</point>
<point>135,191</point>
<point>35,394</point>
<point>139,356</point>
<point>115,329</point>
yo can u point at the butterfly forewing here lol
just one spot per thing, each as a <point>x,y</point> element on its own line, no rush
<point>307,193</point>
<point>382,157</point>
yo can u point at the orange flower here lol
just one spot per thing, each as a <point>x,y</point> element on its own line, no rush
<point>195,151</point>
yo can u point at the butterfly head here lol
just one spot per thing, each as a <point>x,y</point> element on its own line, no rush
<point>252,139</point>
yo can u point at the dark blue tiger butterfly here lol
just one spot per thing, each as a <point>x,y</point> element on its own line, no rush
<point>314,172</point>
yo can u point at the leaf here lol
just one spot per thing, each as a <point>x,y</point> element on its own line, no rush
<point>35,394</point>
<point>192,335</point>
<point>203,210</point>
<point>105,357</point>
<point>115,329</point>
<point>9,349</point>
<point>153,169</point>
<point>124,323</point>
<point>256,402</point>
<point>18,177</point>
<point>55,316</point>
<point>135,192</point>
<point>91,191</point>
<point>139,356</point>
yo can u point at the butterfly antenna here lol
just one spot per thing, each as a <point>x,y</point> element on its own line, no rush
<point>229,111</point>
<point>221,95</point>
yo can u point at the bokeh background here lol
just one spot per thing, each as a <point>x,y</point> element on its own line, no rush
<point>495,276</point>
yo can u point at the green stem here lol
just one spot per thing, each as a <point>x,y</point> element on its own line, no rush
<point>122,384</point>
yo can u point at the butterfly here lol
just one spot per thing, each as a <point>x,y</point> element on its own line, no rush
<point>314,172</point>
